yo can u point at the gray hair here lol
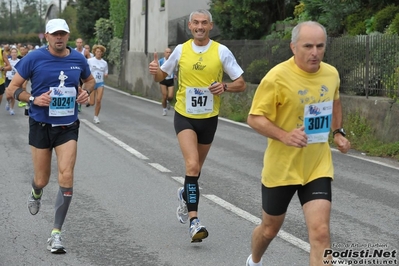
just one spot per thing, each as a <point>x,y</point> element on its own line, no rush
<point>201,11</point>
<point>297,29</point>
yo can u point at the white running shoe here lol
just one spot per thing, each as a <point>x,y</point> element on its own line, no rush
<point>54,244</point>
<point>164,111</point>
<point>182,212</point>
<point>34,204</point>
<point>12,112</point>
<point>7,106</point>
<point>96,120</point>
<point>197,231</point>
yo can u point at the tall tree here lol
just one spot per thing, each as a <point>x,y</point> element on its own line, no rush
<point>330,13</point>
<point>89,11</point>
<point>247,19</point>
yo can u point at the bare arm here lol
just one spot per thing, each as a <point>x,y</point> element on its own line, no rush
<point>7,65</point>
<point>342,143</point>
<point>156,71</point>
<point>86,89</point>
<point>237,85</point>
<point>265,127</point>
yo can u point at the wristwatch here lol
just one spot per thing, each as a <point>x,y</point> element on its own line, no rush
<point>340,131</point>
<point>224,86</point>
<point>31,99</point>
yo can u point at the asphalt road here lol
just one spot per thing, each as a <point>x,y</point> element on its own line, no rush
<point>128,170</point>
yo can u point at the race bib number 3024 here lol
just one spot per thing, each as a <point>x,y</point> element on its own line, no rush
<point>62,101</point>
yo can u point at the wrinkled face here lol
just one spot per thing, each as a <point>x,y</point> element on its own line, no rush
<point>310,48</point>
<point>57,40</point>
<point>200,27</point>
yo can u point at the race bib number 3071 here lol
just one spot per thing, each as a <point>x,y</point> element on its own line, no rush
<point>317,120</point>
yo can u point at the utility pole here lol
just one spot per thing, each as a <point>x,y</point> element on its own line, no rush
<point>10,17</point>
<point>59,11</point>
<point>40,16</point>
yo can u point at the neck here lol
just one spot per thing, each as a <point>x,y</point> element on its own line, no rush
<point>201,42</point>
<point>60,53</point>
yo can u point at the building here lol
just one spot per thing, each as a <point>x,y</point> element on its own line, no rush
<point>153,25</point>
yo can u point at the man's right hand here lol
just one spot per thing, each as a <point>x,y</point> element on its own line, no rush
<point>154,65</point>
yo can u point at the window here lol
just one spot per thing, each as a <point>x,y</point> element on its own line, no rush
<point>162,5</point>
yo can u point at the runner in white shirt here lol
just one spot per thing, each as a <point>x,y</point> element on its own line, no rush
<point>9,75</point>
<point>99,69</point>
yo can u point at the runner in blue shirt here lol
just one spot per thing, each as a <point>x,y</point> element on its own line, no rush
<point>54,71</point>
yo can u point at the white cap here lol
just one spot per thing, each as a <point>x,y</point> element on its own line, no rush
<point>56,24</point>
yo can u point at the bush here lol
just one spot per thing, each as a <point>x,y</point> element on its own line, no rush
<point>384,17</point>
<point>257,70</point>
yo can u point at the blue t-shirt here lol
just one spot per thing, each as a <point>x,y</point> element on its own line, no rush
<point>161,62</point>
<point>46,71</point>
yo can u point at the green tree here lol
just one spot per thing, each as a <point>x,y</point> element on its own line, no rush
<point>248,19</point>
<point>28,21</point>
<point>330,13</point>
<point>89,11</point>
<point>118,15</point>
<point>70,15</point>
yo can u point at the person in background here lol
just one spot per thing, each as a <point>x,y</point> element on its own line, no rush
<point>295,106</point>
<point>4,67</point>
<point>9,75</point>
<point>99,69</point>
<point>201,63</point>
<point>167,85</point>
<point>87,47</point>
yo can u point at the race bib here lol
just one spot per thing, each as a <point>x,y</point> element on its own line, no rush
<point>199,100</point>
<point>98,76</point>
<point>62,101</point>
<point>317,121</point>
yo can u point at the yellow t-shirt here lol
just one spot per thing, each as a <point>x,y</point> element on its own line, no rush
<point>196,72</point>
<point>281,97</point>
<point>2,73</point>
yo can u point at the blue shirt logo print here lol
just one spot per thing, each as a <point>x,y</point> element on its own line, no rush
<point>58,92</point>
<point>198,91</point>
<point>314,110</point>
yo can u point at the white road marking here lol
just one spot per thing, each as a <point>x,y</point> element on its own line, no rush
<point>115,140</point>
<point>160,167</point>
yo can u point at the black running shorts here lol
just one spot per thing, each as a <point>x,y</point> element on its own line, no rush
<point>275,200</point>
<point>204,127</point>
<point>45,136</point>
<point>167,82</point>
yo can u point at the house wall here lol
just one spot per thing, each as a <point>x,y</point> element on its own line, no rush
<point>134,75</point>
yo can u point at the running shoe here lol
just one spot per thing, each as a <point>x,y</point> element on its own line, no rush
<point>54,244</point>
<point>168,105</point>
<point>87,104</point>
<point>7,106</point>
<point>197,231</point>
<point>96,120</point>
<point>182,212</point>
<point>21,104</point>
<point>249,259</point>
<point>164,112</point>
<point>79,108</point>
<point>12,112</point>
<point>34,204</point>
